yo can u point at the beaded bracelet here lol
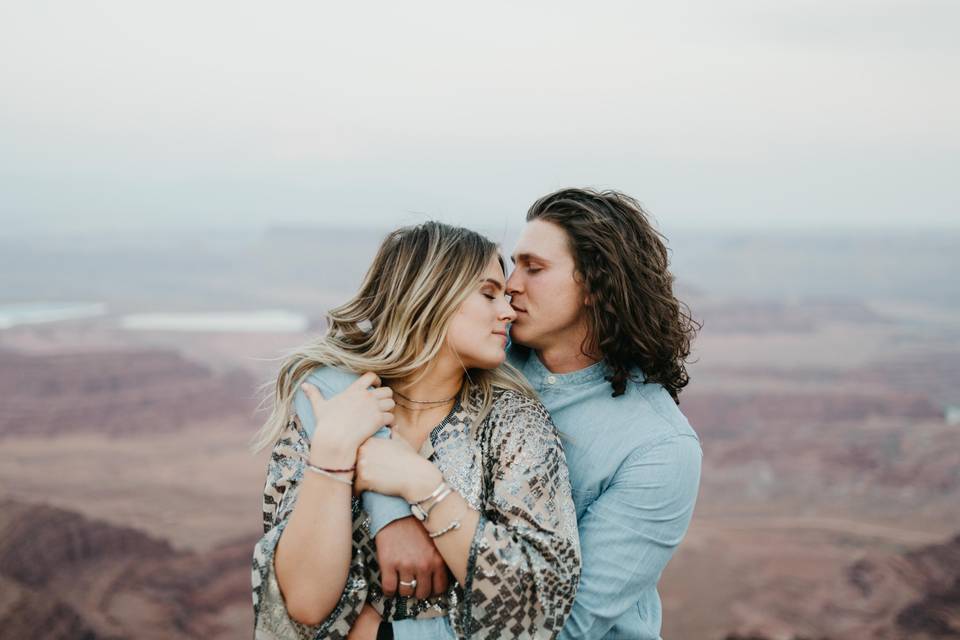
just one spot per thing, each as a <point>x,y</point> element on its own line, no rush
<point>331,473</point>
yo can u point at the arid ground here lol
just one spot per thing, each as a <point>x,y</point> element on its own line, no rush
<point>825,386</point>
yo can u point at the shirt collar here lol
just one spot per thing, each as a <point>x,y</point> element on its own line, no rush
<point>538,375</point>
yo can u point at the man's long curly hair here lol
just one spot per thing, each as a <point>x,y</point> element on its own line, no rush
<point>622,261</point>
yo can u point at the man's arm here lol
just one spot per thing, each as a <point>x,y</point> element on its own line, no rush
<point>630,532</point>
<point>403,547</point>
<point>383,509</point>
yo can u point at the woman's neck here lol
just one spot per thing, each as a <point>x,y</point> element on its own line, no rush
<point>427,396</point>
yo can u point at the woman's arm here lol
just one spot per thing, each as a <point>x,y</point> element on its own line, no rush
<point>285,476</point>
<point>317,542</point>
<point>305,555</point>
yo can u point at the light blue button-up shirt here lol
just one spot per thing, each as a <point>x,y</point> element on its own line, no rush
<point>635,470</point>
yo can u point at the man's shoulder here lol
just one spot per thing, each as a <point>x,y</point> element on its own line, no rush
<point>331,380</point>
<point>649,412</point>
<point>661,403</point>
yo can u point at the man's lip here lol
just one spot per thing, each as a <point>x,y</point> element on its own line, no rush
<point>518,309</point>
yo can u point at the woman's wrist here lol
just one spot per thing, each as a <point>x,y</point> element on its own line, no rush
<point>421,481</point>
<point>338,456</point>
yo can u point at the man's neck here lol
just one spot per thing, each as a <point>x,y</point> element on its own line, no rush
<point>565,358</point>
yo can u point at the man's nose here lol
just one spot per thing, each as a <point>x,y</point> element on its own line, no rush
<point>513,285</point>
<point>507,313</point>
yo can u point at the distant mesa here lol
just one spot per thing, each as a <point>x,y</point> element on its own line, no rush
<point>66,577</point>
<point>913,595</point>
<point>775,316</point>
<point>117,392</point>
<point>726,411</point>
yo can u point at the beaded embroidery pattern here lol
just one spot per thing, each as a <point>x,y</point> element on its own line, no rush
<point>524,562</point>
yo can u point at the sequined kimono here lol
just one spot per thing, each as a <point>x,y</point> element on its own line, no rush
<point>524,561</point>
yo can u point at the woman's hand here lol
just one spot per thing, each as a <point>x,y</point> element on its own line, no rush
<point>393,468</point>
<point>347,419</point>
<point>366,625</point>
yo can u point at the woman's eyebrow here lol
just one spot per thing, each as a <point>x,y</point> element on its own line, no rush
<point>496,283</point>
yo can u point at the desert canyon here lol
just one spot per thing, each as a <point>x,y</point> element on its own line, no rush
<point>825,388</point>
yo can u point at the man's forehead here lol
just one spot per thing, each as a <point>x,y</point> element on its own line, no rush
<point>541,241</point>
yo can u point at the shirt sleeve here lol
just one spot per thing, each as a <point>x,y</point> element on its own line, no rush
<point>423,629</point>
<point>381,508</point>
<point>524,561</point>
<point>284,473</point>
<point>630,532</point>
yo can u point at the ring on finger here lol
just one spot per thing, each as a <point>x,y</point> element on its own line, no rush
<point>412,584</point>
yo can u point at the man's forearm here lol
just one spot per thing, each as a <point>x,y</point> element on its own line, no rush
<point>383,509</point>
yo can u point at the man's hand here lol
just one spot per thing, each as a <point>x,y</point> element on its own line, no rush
<point>366,625</point>
<point>405,551</point>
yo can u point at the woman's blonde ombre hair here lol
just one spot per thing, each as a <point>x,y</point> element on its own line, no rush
<point>397,322</point>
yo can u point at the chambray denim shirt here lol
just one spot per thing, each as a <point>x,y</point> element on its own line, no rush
<point>635,470</point>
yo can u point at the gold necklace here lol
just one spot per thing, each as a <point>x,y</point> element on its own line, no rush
<point>409,399</point>
<point>415,409</point>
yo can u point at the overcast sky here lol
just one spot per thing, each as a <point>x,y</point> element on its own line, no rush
<point>203,114</point>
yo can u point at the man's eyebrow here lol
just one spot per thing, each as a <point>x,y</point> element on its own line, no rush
<point>527,257</point>
<point>496,283</point>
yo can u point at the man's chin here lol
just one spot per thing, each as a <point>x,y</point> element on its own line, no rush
<point>519,337</point>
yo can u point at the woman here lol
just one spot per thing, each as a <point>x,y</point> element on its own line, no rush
<point>490,482</point>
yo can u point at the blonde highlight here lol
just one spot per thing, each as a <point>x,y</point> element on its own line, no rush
<point>397,322</point>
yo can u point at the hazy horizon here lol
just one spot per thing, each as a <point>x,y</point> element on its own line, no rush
<point>805,114</point>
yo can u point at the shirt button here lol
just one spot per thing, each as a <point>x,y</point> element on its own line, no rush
<point>551,380</point>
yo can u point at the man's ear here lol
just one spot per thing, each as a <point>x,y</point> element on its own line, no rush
<point>588,298</point>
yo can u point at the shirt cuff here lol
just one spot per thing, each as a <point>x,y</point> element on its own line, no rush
<point>423,629</point>
<point>383,509</point>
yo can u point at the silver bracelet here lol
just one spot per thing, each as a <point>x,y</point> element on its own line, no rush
<point>436,492</point>
<point>324,472</point>
<point>453,526</point>
<point>422,514</point>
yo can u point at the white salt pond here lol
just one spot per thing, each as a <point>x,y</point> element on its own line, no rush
<point>264,320</point>
<point>269,321</point>
<point>12,315</point>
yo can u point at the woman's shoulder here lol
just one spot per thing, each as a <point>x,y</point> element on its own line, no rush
<point>519,424</point>
<point>512,406</point>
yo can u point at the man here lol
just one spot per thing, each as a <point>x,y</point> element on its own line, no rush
<point>601,337</point>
